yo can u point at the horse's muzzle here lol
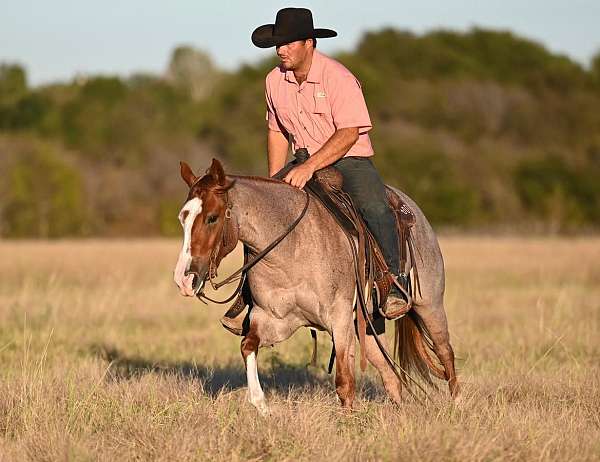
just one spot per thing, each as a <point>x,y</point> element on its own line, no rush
<point>190,284</point>
<point>197,282</point>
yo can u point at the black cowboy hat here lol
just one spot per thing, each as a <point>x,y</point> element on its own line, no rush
<point>291,24</point>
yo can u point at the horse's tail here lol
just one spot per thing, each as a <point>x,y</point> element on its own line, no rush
<point>412,347</point>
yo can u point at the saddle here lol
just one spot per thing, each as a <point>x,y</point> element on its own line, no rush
<point>327,185</point>
<point>371,270</point>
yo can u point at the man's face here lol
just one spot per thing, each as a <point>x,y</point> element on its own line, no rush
<point>293,54</point>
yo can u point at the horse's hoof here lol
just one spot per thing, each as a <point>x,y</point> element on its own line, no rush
<point>259,402</point>
<point>262,408</point>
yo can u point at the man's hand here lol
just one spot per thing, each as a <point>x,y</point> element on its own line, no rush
<point>298,176</point>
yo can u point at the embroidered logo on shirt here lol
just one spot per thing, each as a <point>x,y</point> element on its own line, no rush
<point>320,94</point>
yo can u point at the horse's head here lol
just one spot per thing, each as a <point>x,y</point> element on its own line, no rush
<point>203,218</point>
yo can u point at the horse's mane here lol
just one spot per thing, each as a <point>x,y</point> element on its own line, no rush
<point>264,180</point>
<point>258,179</point>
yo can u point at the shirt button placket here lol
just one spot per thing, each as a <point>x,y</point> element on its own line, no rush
<point>300,109</point>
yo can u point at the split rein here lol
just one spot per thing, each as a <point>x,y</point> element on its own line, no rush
<point>243,271</point>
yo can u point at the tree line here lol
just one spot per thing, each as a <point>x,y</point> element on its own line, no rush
<point>484,129</point>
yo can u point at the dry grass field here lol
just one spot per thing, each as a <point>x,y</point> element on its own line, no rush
<point>101,359</point>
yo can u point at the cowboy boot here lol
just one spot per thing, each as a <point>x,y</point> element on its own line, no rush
<point>235,320</point>
<point>396,305</point>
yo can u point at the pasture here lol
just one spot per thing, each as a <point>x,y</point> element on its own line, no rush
<point>102,359</point>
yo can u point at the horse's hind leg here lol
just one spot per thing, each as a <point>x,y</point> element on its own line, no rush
<point>435,321</point>
<point>391,383</point>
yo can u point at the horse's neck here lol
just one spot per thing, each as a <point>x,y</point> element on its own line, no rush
<point>264,209</point>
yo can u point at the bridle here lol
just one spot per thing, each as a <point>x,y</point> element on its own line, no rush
<point>227,242</point>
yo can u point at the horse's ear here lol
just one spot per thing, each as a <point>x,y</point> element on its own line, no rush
<point>217,172</point>
<point>187,174</point>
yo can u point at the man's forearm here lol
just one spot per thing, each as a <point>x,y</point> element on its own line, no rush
<point>334,148</point>
<point>277,150</point>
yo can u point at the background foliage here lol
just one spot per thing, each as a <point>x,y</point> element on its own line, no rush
<point>484,129</point>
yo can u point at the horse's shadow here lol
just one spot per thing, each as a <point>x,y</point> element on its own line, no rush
<point>215,380</point>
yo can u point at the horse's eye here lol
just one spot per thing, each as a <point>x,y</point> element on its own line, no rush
<point>211,219</point>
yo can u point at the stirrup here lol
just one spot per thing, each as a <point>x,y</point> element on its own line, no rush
<point>399,283</point>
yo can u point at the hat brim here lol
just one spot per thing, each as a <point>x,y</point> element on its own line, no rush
<point>263,36</point>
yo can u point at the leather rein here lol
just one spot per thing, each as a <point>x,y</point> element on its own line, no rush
<point>227,242</point>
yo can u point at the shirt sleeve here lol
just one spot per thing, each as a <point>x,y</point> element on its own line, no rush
<point>271,117</point>
<point>348,106</point>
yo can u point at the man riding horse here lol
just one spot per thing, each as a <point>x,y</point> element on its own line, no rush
<point>317,105</point>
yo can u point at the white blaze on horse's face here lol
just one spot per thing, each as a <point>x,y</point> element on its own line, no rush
<point>187,216</point>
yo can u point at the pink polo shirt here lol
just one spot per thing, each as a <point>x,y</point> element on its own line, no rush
<point>329,98</point>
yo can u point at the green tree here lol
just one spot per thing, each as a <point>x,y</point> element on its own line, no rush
<point>13,82</point>
<point>44,196</point>
<point>552,190</point>
<point>595,69</point>
<point>193,71</point>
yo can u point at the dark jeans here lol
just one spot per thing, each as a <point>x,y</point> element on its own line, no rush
<point>365,187</point>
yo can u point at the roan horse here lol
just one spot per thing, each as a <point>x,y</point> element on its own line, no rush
<point>307,279</point>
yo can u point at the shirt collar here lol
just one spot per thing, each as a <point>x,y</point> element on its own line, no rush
<point>314,73</point>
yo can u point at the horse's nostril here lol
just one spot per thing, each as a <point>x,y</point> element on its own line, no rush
<point>196,281</point>
<point>192,273</point>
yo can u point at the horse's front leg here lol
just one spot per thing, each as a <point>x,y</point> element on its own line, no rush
<point>265,330</point>
<point>249,347</point>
